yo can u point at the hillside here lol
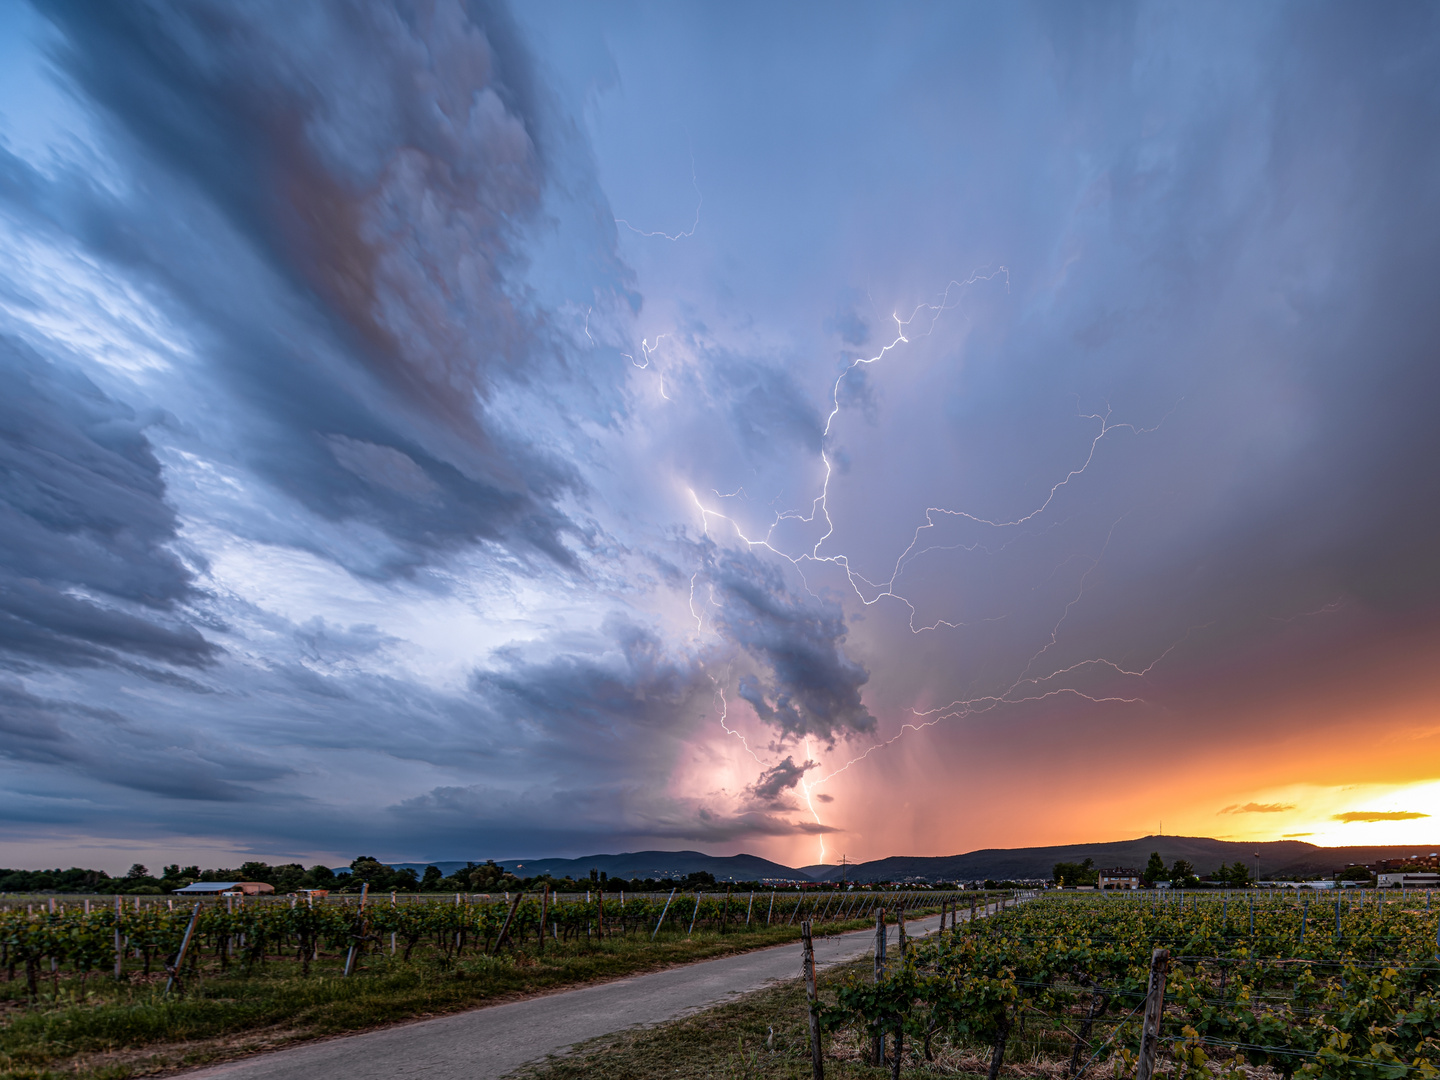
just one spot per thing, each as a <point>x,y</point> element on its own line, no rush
<point>1287,857</point>
<point>1276,857</point>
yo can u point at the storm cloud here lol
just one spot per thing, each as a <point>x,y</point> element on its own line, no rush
<point>1036,394</point>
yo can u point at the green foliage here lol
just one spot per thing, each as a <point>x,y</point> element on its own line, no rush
<point>1154,869</point>
<point>1356,996</point>
<point>1075,873</point>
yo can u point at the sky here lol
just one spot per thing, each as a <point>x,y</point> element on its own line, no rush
<point>444,431</point>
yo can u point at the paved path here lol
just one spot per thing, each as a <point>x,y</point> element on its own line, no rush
<point>497,1039</point>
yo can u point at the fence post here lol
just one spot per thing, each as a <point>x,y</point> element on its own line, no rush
<point>544,913</point>
<point>1154,1011</point>
<point>663,910</point>
<point>119,945</point>
<point>505,926</point>
<point>877,1040</point>
<point>350,956</point>
<point>807,968</point>
<point>184,944</point>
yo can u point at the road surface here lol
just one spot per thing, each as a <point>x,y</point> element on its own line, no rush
<point>494,1040</point>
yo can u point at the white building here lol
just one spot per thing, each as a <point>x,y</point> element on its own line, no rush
<point>1415,879</point>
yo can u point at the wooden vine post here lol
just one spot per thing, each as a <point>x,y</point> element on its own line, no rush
<point>184,945</point>
<point>877,1040</point>
<point>505,926</point>
<point>807,969</point>
<point>1154,1011</point>
<point>354,937</point>
<point>544,913</point>
<point>120,944</point>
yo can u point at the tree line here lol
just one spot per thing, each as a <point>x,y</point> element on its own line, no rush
<point>1181,874</point>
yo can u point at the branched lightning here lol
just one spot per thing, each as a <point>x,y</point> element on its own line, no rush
<point>725,714</point>
<point>1027,686</point>
<point>699,202</point>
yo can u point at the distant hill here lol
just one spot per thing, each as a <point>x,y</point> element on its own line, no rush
<point>639,864</point>
<point>657,864</point>
<point>1287,857</point>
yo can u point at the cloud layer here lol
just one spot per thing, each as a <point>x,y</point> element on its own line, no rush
<point>1038,393</point>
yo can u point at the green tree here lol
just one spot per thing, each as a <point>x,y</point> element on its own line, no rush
<point>1083,873</point>
<point>367,870</point>
<point>1154,870</point>
<point>1183,870</point>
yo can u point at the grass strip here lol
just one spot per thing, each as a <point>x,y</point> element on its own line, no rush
<point>101,1030</point>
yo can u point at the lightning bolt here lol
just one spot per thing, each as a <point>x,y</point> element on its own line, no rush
<point>1026,687</point>
<point>809,802</point>
<point>725,715</point>
<point>699,202</point>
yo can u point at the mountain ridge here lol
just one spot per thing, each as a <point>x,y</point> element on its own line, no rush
<point>1285,857</point>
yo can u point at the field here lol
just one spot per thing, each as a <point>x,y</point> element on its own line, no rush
<point>1343,985</point>
<point>1258,985</point>
<point>261,974</point>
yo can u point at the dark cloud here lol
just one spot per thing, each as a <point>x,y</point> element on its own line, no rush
<point>607,715</point>
<point>770,787</point>
<point>496,818</point>
<point>367,181</point>
<point>766,408</point>
<point>814,687</point>
<point>87,567</point>
<point>105,746</point>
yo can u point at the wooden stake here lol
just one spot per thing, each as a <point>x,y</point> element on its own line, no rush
<point>1154,1013</point>
<point>184,944</point>
<point>505,926</point>
<point>807,969</point>
<point>544,914</point>
<point>877,1040</point>
<point>120,945</point>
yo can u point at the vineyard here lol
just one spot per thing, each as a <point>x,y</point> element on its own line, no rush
<point>86,979</point>
<point>47,939</point>
<point>1218,985</point>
